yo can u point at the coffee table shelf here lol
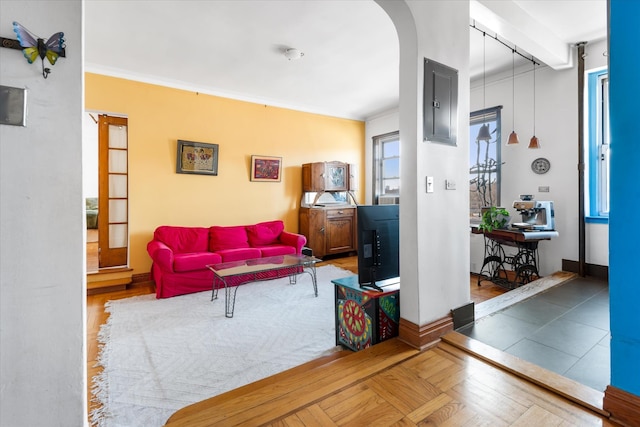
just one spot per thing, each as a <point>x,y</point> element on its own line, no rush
<point>232,274</point>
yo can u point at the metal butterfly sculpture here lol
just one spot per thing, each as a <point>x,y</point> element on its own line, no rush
<point>33,46</point>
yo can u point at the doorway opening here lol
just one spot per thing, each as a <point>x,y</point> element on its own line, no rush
<point>105,182</point>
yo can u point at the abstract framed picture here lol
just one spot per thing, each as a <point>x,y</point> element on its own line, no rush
<point>266,168</point>
<point>197,158</point>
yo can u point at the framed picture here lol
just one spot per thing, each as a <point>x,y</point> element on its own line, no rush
<point>264,168</point>
<point>197,157</point>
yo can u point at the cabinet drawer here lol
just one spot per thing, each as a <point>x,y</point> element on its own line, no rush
<point>345,212</point>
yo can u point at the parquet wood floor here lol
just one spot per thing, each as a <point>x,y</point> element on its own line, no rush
<point>389,384</point>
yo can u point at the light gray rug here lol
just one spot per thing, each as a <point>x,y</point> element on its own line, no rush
<point>162,355</point>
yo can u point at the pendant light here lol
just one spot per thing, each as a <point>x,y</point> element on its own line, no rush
<point>513,136</point>
<point>534,143</point>
<point>483,133</point>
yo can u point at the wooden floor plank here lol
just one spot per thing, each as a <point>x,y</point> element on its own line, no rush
<point>403,388</point>
<point>366,407</point>
<point>484,395</point>
<point>563,386</point>
<point>536,416</point>
<point>421,413</point>
<point>314,416</point>
<point>296,391</point>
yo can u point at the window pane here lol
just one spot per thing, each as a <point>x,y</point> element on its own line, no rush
<point>117,235</point>
<point>117,136</point>
<point>391,168</point>
<point>598,149</point>
<point>391,186</point>
<point>117,210</point>
<point>117,186</point>
<point>390,149</point>
<point>386,164</point>
<point>484,162</point>
<point>117,161</point>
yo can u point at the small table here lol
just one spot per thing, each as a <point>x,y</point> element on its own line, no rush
<point>524,263</point>
<point>234,273</point>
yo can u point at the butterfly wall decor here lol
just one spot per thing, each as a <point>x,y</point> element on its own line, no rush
<point>33,46</point>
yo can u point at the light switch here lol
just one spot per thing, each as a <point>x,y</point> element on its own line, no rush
<point>429,184</point>
<point>449,184</point>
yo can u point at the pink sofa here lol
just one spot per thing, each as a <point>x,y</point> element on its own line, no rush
<point>180,254</point>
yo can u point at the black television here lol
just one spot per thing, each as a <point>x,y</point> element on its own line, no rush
<point>378,245</point>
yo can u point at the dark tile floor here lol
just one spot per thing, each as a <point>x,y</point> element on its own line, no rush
<point>564,329</point>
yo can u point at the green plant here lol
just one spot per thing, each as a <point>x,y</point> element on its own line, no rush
<point>494,218</point>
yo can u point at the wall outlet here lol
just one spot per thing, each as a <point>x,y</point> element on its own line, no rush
<point>543,189</point>
<point>449,184</point>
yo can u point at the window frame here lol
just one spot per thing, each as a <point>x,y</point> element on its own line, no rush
<point>599,145</point>
<point>486,115</point>
<point>378,161</point>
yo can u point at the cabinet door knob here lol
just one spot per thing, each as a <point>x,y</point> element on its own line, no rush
<point>321,229</point>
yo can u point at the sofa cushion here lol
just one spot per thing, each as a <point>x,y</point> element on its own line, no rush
<point>194,261</point>
<point>264,233</point>
<point>274,250</point>
<point>239,254</point>
<point>221,238</point>
<point>183,239</point>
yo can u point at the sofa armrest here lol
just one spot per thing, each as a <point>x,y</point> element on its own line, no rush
<point>161,254</point>
<point>293,239</point>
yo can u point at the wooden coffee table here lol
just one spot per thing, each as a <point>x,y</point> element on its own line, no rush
<point>234,273</point>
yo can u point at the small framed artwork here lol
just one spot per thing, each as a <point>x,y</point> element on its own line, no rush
<point>197,158</point>
<point>266,169</point>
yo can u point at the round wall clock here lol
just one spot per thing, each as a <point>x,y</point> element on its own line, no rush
<point>540,165</point>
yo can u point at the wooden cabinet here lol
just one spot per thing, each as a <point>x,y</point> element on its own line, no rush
<point>329,176</point>
<point>329,230</point>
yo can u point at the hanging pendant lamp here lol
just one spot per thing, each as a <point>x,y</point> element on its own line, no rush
<point>513,136</point>
<point>534,142</point>
<point>484,134</point>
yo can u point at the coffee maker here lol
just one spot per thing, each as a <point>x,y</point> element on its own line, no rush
<point>536,214</point>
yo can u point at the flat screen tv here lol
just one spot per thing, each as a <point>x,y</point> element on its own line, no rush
<point>378,245</point>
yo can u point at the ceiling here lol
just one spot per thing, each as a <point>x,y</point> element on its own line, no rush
<point>349,68</point>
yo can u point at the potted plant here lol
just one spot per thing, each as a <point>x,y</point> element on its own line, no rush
<point>494,218</point>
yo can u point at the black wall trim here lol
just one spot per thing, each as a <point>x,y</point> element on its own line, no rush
<point>593,270</point>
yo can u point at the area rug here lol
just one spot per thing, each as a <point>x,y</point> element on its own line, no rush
<point>161,355</point>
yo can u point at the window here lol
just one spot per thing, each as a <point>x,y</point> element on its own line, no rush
<point>598,149</point>
<point>484,161</point>
<point>386,168</point>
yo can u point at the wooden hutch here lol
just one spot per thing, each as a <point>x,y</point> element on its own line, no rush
<point>328,207</point>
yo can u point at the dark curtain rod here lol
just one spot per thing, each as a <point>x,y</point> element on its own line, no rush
<point>512,49</point>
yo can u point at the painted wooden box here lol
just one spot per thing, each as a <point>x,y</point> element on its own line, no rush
<point>365,317</point>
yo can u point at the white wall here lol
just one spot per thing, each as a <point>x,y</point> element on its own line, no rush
<point>557,129</point>
<point>380,124</point>
<point>556,125</point>
<point>42,279</point>
<point>90,155</point>
<point>434,252</point>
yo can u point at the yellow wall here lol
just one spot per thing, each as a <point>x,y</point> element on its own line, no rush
<point>158,116</point>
